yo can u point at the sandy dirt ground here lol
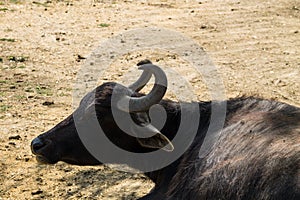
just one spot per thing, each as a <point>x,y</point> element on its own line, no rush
<point>255,45</point>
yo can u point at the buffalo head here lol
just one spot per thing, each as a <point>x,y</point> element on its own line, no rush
<point>62,143</point>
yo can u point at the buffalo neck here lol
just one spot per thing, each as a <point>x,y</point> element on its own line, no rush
<point>163,177</point>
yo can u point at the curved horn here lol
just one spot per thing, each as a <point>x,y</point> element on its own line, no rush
<point>144,78</point>
<point>138,104</point>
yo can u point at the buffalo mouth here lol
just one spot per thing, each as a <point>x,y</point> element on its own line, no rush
<point>43,160</point>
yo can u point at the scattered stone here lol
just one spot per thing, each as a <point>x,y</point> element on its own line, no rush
<point>19,157</point>
<point>203,26</point>
<point>48,103</point>
<point>80,57</point>
<point>16,137</point>
<point>37,192</point>
<point>39,179</point>
<point>17,58</point>
<point>69,184</point>
<point>12,143</point>
<point>67,169</point>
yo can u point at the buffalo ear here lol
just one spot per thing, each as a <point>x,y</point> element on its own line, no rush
<point>157,141</point>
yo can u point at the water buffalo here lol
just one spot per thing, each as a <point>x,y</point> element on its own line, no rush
<point>256,156</point>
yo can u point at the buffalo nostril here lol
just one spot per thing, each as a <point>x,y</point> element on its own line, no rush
<point>36,144</point>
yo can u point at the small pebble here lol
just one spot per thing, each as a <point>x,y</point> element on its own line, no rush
<point>48,103</point>
<point>16,137</point>
<point>37,192</point>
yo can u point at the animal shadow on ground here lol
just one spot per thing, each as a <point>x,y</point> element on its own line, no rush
<point>95,183</point>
